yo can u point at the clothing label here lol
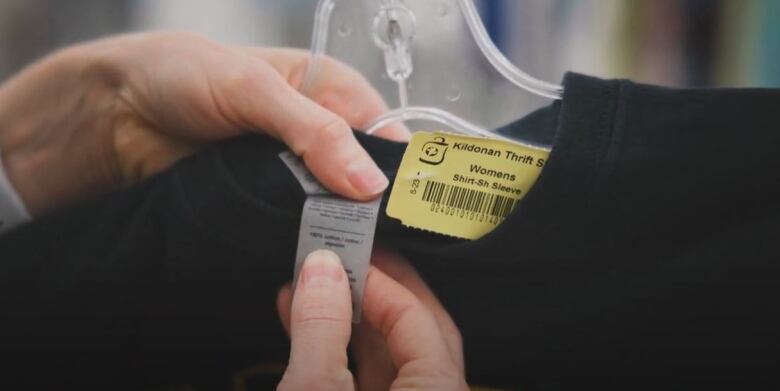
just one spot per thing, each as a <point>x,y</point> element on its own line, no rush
<point>462,186</point>
<point>12,210</point>
<point>329,222</point>
<point>345,227</point>
<point>310,184</point>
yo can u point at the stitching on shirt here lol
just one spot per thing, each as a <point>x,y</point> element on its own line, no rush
<point>203,226</point>
<point>622,101</point>
<point>606,131</point>
<point>606,168</point>
<point>198,223</point>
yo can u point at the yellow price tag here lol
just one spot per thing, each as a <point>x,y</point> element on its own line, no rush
<point>462,186</point>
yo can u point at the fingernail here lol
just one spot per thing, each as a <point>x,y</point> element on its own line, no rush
<point>321,267</point>
<point>366,177</point>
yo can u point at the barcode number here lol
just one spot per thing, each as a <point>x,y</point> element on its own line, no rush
<point>467,203</point>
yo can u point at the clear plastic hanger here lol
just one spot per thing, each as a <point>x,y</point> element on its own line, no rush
<point>424,57</point>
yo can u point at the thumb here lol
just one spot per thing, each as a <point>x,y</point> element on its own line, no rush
<point>320,326</point>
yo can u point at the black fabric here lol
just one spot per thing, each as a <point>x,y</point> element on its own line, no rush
<point>645,256</point>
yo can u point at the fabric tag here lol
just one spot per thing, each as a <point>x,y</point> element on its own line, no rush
<point>345,227</point>
<point>330,222</point>
<point>12,210</point>
<point>310,184</point>
<point>462,186</point>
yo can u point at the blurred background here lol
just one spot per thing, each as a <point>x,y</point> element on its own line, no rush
<point>669,42</point>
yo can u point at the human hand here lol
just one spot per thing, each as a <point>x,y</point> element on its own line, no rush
<point>110,113</point>
<point>406,341</point>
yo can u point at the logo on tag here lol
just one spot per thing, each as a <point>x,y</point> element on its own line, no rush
<point>434,152</point>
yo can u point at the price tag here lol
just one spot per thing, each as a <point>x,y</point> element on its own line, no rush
<point>462,186</point>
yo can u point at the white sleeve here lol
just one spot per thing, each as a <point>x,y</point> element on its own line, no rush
<point>12,210</point>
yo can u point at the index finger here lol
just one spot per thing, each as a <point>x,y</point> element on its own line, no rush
<point>397,268</point>
<point>344,91</point>
<point>408,327</point>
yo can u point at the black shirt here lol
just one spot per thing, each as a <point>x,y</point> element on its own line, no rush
<point>646,255</point>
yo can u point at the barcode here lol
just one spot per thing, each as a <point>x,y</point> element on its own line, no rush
<point>469,200</point>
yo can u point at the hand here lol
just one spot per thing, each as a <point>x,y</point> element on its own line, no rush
<point>406,341</point>
<point>110,113</point>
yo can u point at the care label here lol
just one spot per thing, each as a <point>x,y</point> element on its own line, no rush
<point>310,184</point>
<point>12,209</point>
<point>462,186</point>
<point>330,222</point>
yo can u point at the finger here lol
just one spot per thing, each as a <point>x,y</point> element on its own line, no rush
<point>340,88</point>
<point>320,323</point>
<point>323,139</point>
<point>375,369</point>
<point>408,327</point>
<point>397,268</point>
<point>284,306</point>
